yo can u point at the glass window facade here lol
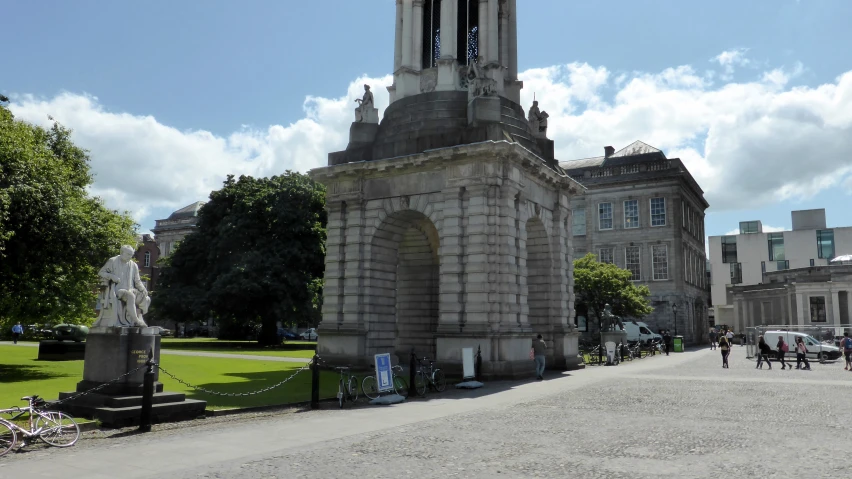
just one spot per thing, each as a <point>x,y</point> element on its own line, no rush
<point>660,258</point>
<point>776,246</point>
<point>605,216</point>
<point>578,222</point>
<point>748,227</point>
<point>729,249</point>
<point>631,214</point>
<point>605,256</point>
<point>825,244</point>
<point>658,211</point>
<point>817,309</point>
<point>632,262</point>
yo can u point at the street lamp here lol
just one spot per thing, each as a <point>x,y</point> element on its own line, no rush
<point>674,310</point>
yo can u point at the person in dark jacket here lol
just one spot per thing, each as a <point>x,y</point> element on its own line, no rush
<point>783,347</point>
<point>667,340</point>
<point>763,353</point>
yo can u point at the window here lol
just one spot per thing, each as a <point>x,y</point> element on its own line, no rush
<point>147,259</point>
<point>763,267</point>
<point>736,273</point>
<point>631,262</point>
<point>631,214</point>
<point>581,312</point>
<point>605,256</point>
<point>812,262</point>
<point>605,216</point>
<point>467,39</point>
<point>825,244</point>
<point>817,309</point>
<point>748,227</point>
<point>578,222</point>
<point>660,259</point>
<point>782,265</point>
<point>776,246</point>
<point>729,249</point>
<point>658,211</point>
<point>431,33</point>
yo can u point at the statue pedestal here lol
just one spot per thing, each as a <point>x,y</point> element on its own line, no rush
<point>615,337</point>
<point>369,115</point>
<point>112,353</point>
<point>362,134</point>
<point>483,109</point>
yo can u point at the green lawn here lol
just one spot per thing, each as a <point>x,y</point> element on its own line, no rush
<point>21,374</point>
<point>290,349</point>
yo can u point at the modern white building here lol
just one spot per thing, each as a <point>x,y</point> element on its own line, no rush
<point>744,259</point>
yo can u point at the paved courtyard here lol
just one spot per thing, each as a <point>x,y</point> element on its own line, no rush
<point>677,416</point>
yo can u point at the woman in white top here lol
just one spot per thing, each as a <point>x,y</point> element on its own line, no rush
<point>801,354</point>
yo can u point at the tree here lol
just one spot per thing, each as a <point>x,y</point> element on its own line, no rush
<point>53,235</point>
<point>598,284</point>
<point>257,257</point>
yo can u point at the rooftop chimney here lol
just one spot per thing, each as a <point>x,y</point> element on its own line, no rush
<point>608,151</point>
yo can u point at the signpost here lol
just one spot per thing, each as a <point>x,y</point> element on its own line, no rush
<point>384,377</point>
<point>467,363</point>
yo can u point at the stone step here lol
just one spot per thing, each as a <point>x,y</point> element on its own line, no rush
<point>130,401</point>
<point>129,416</point>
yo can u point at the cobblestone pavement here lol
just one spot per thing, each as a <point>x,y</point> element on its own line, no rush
<point>678,416</point>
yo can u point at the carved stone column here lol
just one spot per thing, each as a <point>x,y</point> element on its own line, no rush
<point>447,64</point>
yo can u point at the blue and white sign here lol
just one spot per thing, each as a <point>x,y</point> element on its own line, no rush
<point>383,372</point>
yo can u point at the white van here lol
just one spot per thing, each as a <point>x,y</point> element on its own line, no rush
<point>639,331</point>
<point>816,349</point>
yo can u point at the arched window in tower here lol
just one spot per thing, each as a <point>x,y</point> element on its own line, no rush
<point>468,32</point>
<point>431,33</point>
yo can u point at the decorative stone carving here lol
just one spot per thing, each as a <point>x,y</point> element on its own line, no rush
<point>123,298</point>
<point>609,321</point>
<point>479,84</point>
<point>366,111</point>
<point>537,120</point>
<point>428,80</point>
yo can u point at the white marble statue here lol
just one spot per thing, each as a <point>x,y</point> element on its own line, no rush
<point>609,321</point>
<point>366,106</point>
<point>124,298</point>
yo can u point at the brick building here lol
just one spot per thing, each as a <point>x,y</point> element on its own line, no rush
<point>146,256</point>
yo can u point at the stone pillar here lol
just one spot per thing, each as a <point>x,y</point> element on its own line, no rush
<point>513,86</point>
<point>835,307</point>
<point>504,38</point>
<point>417,36</point>
<point>565,338</point>
<point>449,30</point>
<point>398,48</point>
<point>493,25</point>
<point>737,300</point>
<point>849,305</point>
<point>483,31</point>
<point>453,296</point>
<point>801,309</point>
<point>407,32</point>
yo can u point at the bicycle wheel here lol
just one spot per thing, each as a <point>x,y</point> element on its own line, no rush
<point>7,438</point>
<point>439,380</point>
<point>370,387</point>
<point>341,395</point>
<point>400,386</point>
<point>420,383</point>
<point>60,429</point>
<point>352,388</point>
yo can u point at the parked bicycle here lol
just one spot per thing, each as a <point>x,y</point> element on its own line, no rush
<point>53,427</point>
<point>371,387</point>
<point>347,389</point>
<point>428,377</point>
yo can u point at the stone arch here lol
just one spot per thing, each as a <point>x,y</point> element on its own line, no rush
<point>403,281</point>
<point>539,264</point>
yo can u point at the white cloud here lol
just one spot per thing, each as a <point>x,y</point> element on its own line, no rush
<point>731,59</point>
<point>766,229</point>
<point>748,144</point>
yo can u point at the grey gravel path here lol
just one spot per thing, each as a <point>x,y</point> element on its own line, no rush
<point>679,416</point>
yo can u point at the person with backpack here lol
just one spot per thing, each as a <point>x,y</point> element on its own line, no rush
<point>763,354</point>
<point>846,343</point>
<point>725,347</point>
<point>783,348</point>
<point>802,354</point>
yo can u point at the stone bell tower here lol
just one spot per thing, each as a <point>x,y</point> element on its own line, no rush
<point>449,222</point>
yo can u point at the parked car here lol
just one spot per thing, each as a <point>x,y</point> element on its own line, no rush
<point>287,335</point>
<point>70,332</point>
<point>309,335</point>
<point>164,332</point>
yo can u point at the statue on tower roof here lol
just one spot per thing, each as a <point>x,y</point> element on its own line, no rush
<point>366,111</point>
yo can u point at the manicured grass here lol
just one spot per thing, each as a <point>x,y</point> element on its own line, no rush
<point>21,374</point>
<point>303,353</point>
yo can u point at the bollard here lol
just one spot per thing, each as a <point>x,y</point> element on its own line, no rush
<point>412,365</point>
<point>478,365</point>
<point>315,382</point>
<point>147,394</point>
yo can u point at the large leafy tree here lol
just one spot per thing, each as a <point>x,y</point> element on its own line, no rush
<point>257,256</point>
<point>597,284</point>
<point>53,235</point>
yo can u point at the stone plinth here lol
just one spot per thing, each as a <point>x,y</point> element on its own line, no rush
<point>368,115</point>
<point>483,110</point>
<point>362,134</point>
<point>614,336</point>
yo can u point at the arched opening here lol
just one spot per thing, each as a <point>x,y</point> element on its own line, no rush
<point>468,32</point>
<point>404,277</point>
<point>538,274</point>
<point>431,40</point>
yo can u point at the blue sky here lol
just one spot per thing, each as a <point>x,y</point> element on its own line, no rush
<point>187,92</point>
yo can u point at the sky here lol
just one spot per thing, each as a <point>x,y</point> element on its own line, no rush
<point>170,97</point>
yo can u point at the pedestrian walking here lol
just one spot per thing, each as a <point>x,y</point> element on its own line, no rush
<point>802,354</point>
<point>667,340</point>
<point>730,336</point>
<point>763,353</point>
<point>725,347</point>
<point>783,348</point>
<point>714,337</point>
<point>539,350</point>
<point>847,350</point>
<point>17,331</point>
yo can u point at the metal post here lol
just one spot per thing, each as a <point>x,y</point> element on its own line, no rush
<point>315,382</point>
<point>412,365</point>
<point>147,394</point>
<point>478,364</point>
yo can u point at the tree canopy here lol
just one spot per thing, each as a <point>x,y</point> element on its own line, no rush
<point>598,284</point>
<point>257,257</point>
<point>53,235</point>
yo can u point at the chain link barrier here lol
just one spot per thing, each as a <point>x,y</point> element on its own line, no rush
<point>96,388</point>
<point>253,393</point>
